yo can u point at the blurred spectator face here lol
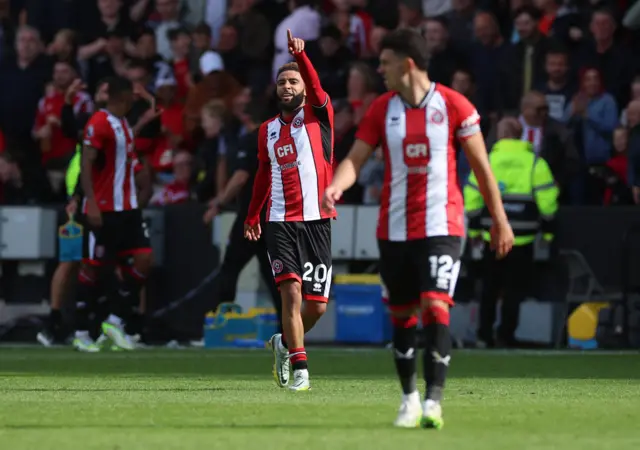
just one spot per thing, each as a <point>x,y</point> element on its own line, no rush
<point>635,90</point>
<point>290,90</point>
<point>240,103</point>
<point>138,75</point>
<point>328,45</point>
<point>556,66</point>
<point>201,41</point>
<point>342,5</point>
<point>633,113</point>
<point>228,39</point>
<point>211,124</point>
<point>461,82</point>
<point>180,46</point>
<point>544,5</point>
<point>28,45</point>
<point>342,21</point>
<point>526,26</point>
<point>146,46</point>
<point>5,170</point>
<point>377,34</point>
<point>182,165</point>
<point>620,140</point>
<point>63,75</point>
<point>409,16</point>
<point>109,8</point>
<point>358,84</point>
<point>462,5</point>
<point>602,27</point>
<point>241,6</point>
<point>102,95</point>
<point>591,83</point>
<point>168,9</point>
<point>534,108</point>
<point>485,29</point>
<point>62,45</point>
<point>115,45</point>
<point>436,36</point>
<point>166,94</point>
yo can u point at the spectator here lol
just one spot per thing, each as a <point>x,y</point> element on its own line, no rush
<point>331,58</point>
<point>375,39</point>
<point>559,89</point>
<point>633,118</point>
<point>523,68</point>
<point>180,40</point>
<point>254,35</point>
<point>617,190</point>
<point>179,189</point>
<point>215,83</point>
<point>549,9</point>
<point>147,132</point>
<point>460,20</point>
<point>361,89</point>
<point>445,58</point>
<point>146,52</point>
<point>64,46</point>
<point>234,61</point>
<point>410,14</point>
<point>22,81</point>
<point>212,152</point>
<point>615,62</point>
<point>94,33</point>
<point>304,23</point>
<point>111,62</point>
<point>635,95</point>
<point>201,37</point>
<point>168,18</point>
<point>593,114</point>
<point>56,148</point>
<point>552,141</point>
<point>355,25</point>
<point>486,56</point>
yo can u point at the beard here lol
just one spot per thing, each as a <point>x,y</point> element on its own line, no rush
<point>292,105</point>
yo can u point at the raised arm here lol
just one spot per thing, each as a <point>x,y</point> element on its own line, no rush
<point>316,96</point>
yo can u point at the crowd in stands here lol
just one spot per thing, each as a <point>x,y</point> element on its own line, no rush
<point>567,69</point>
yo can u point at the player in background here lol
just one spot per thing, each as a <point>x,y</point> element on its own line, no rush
<point>295,166</point>
<point>420,225</point>
<point>117,233</point>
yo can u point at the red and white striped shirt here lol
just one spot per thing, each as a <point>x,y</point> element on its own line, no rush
<point>420,196</point>
<point>296,158</point>
<point>114,171</point>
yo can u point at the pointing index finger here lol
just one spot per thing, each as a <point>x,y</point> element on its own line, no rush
<point>289,35</point>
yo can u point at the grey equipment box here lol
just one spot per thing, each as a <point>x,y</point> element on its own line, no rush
<point>28,232</point>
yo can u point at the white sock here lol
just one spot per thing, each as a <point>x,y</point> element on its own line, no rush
<point>114,320</point>
<point>413,397</point>
<point>82,334</point>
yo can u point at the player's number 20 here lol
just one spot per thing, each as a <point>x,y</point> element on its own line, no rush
<point>319,273</point>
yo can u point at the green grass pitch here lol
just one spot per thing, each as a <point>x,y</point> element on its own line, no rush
<point>199,399</point>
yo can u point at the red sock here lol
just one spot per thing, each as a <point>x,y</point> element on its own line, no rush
<point>298,358</point>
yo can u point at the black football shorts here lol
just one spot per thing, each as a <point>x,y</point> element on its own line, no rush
<point>302,251</point>
<point>420,269</point>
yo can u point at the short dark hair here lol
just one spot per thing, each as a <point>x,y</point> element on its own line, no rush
<point>203,28</point>
<point>72,63</point>
<point>288,66</point>
<point>174,33</point>
<point>409,44</point>
<point>146,31</point>
<point>118,86</point>
<point>558,49</point>
<point>529,10</point>
<point>466,72</point>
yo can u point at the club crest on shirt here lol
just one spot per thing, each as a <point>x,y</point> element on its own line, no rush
<point>297,123</point>
<point>277,266</point>
<point>437,117</point>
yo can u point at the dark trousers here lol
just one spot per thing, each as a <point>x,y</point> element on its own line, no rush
<point>237,255</point>
<point>508,279</point>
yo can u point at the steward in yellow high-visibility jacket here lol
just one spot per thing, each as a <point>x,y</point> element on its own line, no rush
<point>530,197</point>
<point>72,177</point>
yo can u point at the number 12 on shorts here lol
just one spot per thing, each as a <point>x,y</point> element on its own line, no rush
<point>444,270</point>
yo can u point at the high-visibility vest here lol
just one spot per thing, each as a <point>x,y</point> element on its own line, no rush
<point>529,193</point>
<point>73,172</point>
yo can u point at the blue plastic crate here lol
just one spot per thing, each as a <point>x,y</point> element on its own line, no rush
<point>361,316</point>
<point>267,325</point>
<point>227,325</point>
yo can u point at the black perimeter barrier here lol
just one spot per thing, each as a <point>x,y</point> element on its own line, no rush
<point>179,290</point>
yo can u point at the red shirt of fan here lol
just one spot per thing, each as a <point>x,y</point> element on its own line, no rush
<point>181,73</point>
